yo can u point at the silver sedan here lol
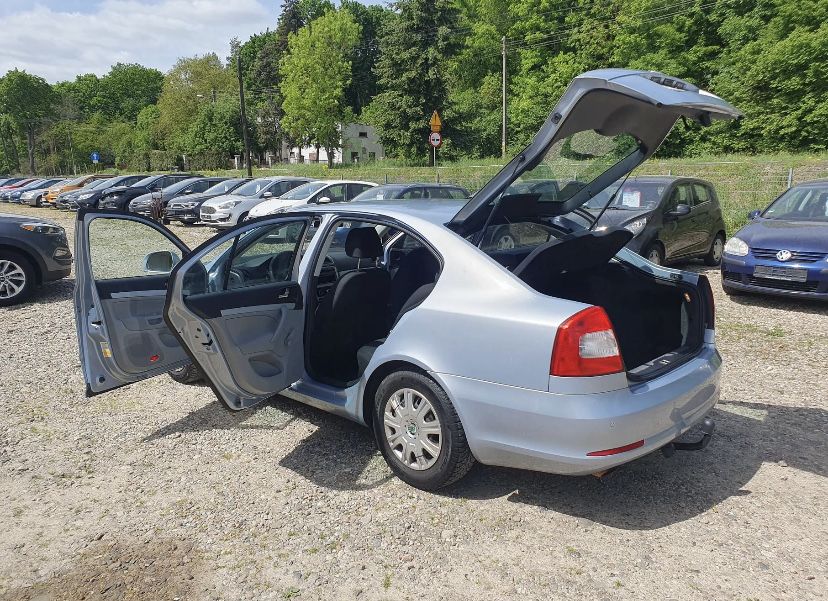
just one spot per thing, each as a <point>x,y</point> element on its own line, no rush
<point>565,353</point>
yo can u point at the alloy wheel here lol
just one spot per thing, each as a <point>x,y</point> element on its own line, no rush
<point>718,248</point>
<point>412,429</point>
<point>654,256</point>
<point>12,279</point>
<point>505,242</point>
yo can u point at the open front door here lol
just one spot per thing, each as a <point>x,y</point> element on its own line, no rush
<point>237,307</point>
<point>123,263</point>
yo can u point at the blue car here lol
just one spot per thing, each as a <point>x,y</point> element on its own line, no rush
<point>784,249</point>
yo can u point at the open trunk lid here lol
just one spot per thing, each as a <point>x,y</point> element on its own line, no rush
<point>606,124</point>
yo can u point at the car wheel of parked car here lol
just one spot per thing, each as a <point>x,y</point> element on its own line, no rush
<point>655,253</point>
<point>188,374</point>
<point>714,256</point>
<point>17,278</point>
<point>419,432</point>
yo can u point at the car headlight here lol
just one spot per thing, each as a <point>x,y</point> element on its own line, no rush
<point>229,204</point>
<point>42,228</point>
<point>86,195</point>
<point>27,195</point>
<point>736,247</point>
<point>637,226</point>
<point>186,205</point>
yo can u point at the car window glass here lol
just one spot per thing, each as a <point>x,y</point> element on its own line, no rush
<point>700,194</point>
<point>265,255</point>
<point>355,190</point>
<point>806,204</point>
<point>681,195</point>
<point>208,273</point>
<point>118,248</point>
<point>336,193</point>
<point>412,193</point>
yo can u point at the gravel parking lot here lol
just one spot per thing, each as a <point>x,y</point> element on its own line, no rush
<point>154,491</point>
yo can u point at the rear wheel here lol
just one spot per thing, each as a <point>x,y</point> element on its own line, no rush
<point>188,374</point>
<point>714,255</point>
<point>655,253</point>
<point>17,278</point>
<point>419,432</point>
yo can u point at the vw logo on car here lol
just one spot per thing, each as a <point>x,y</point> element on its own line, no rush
<point>784,255</point>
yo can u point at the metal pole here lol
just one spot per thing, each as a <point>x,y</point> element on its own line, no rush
<point>435,163</point>
<point>790,177</point>
<point>244,119</point>
<point>503,85</point>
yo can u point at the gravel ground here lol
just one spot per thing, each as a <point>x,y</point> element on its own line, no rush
<point>153,491</point>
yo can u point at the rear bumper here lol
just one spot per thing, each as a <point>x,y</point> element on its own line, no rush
<point>548,432</point>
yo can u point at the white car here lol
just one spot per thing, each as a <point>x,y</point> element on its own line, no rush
<point>566,353</point>
<point>230,209</point>
<point>318,192</point>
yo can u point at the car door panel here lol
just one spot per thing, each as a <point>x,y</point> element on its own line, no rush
<point>120,320</point>
<point>248,340</point>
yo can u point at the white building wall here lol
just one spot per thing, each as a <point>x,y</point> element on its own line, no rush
<point>359,145</point>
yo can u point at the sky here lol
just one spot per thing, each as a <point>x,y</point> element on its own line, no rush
<point>59,39</point>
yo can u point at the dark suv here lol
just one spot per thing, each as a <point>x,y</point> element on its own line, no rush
<point>118,198</point>
<point>32,251</point>
<point>673,218</point>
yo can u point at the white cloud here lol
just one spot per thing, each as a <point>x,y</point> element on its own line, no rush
<point>59,45</point>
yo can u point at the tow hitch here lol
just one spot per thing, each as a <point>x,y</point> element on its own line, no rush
<point>707,428</point>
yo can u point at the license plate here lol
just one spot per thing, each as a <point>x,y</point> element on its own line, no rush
<point>790,274</point>
<point>206,217</point>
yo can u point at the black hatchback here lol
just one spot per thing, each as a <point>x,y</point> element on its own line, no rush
<point>673,218</point>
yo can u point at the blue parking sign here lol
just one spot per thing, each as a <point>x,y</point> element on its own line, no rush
<point>96,158</point>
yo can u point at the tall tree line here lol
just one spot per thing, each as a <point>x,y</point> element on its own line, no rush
<point>322,65</point>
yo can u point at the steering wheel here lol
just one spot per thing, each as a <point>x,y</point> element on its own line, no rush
<point>279,266</point>
<point>332,263</point>
<point>235,279</point>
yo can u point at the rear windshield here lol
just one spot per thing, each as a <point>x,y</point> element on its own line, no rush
<point>800,204</point>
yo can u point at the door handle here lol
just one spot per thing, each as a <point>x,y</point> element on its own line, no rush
<point>283,295</point>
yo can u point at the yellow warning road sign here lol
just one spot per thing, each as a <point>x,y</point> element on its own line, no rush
<point>435,122</point>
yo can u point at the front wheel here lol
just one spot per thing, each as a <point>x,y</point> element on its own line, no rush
<point>17,278</point>
<point>655,254</point>
<point>419,432</point>
<point>188,374</point>
<point>714,255</point>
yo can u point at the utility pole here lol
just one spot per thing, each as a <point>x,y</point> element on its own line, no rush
<point>503,85</point>
<point>244,120</point>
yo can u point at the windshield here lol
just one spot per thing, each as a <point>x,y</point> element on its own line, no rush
<point>571,164</point>
<point>634,196</point>
<point>224,187</point>
<point>380,193</point>
<point>96,184</point>
<point>304,190</point>
<point>74,182</point>
<point>175,188</point>
<point>800,204</point>
<point>254,187</point>
<point>142,183</point>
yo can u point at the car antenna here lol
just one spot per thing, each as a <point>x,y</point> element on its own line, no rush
<point>610,201</point>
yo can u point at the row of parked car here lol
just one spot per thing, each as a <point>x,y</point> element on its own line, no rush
<point>782,251</point>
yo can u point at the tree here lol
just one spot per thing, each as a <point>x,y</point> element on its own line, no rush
<point>27,100</point>
<point>216,132</point>
<point>371,20</point>
<point>127,89</point>
<point>315,74</point>
<point>412,73</point>
<point>190,82</point>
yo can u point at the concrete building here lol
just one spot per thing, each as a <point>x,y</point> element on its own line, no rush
<point>359,145</point>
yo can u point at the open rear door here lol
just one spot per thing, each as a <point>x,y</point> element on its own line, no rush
<point>122,266</point>
<point>237,307</point>
<point>605,125</point>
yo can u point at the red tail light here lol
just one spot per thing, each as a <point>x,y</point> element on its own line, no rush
<point>586,346</point>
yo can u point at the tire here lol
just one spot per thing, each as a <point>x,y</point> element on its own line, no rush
<point>453,458</point>
<point>17,278</point>
<point>189,374</point>
<point>242,217</point>
<point>655,253</point>
<point>503,239</point>
<point>713,257</point>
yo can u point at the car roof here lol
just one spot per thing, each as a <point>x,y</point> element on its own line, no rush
<point>663,179</point>
<point>439,211</point>
<point>814,183</point>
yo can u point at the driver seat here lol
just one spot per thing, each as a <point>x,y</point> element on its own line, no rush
<point>354,312</point>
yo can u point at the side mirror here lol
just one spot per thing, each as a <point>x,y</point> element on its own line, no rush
<point>161,261</point>
<point>679,211</point>
<point>324,200</point>
<point>188,191</point>
<point>754,214</point>
<point>267,195</point>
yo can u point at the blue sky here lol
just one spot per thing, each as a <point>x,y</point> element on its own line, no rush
<point>58,39</point>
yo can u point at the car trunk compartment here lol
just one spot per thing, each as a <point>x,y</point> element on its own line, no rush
<point>659,323</point>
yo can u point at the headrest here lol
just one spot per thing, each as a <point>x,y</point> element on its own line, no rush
<point>363,243</point>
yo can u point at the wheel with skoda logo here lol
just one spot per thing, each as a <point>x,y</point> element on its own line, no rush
<point>419,432</point>
<point>17,278</point>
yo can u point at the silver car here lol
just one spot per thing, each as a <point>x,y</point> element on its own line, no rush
<point>565,353</point>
